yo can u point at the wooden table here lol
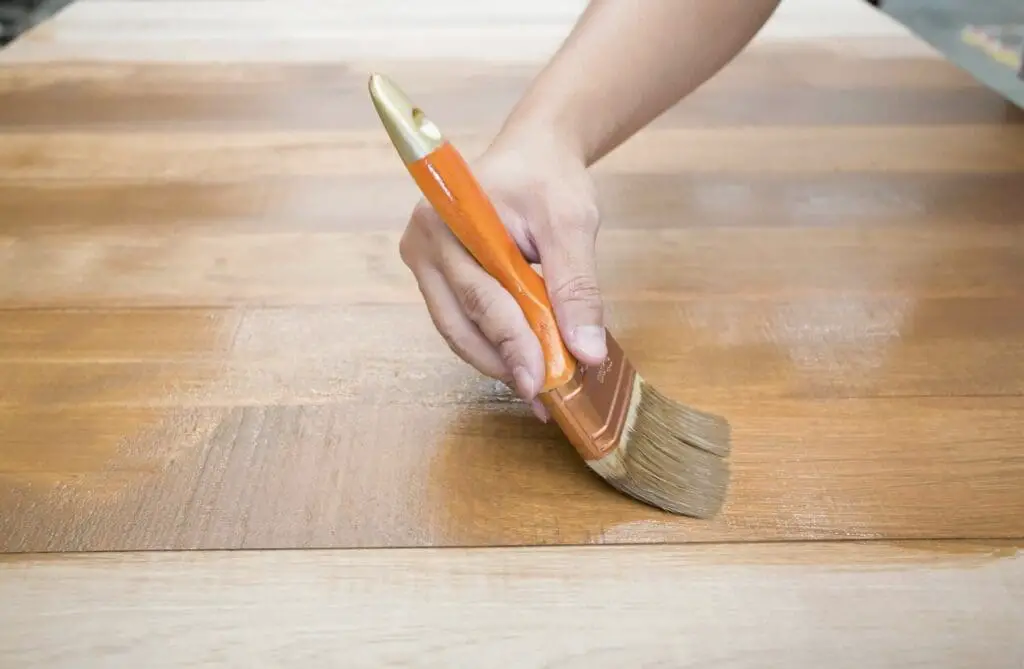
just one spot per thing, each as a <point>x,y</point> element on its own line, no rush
<point>208,341</point>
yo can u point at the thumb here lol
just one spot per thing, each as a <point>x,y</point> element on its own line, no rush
<point>568,263</point>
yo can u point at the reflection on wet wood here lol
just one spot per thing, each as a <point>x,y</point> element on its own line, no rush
<point>207,338</point>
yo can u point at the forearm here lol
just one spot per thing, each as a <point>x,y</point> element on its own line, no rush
<point>626,62</point>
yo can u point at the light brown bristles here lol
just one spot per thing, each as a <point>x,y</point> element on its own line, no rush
<point>669,455</point>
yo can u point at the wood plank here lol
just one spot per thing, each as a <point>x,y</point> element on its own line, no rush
<point>476,470</point>
<point>649,201</point>
<point>932,604</point>
<point>191,155</point>
<point>285,268</point>
<point>331,98</point>
<point>845,64</point>
<point>254,333</point>
<point>813,347</point>
<point>104,335</point>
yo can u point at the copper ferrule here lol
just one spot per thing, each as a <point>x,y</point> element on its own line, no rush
<point>413,135</point>
<point>592,407</point>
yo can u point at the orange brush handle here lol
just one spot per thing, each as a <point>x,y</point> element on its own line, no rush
<point>448,184</point>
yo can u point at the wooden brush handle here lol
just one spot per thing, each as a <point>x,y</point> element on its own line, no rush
<point>448,184</point>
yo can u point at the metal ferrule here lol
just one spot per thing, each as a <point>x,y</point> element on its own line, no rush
<point>412,133</point>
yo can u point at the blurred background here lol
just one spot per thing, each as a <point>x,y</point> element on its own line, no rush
<point>985,37</point>
<point>17,16</point>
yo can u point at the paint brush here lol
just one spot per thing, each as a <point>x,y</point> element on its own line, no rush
<point>636,438</point>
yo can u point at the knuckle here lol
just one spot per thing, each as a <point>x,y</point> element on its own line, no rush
<point>579,211</point>
<point>429,224</point>
<point>578,289</point>
<point>423,218</point>
<point>586,216</point>
<point>457,342</point>
<point>476,301</point>
<point>506,341</point>
<point>421,209</point>
<point>420,239</point>
<point>407,247</point>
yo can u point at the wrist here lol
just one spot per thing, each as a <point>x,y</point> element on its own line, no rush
<point>542,127</point>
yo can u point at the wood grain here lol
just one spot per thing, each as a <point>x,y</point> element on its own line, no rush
<point>651,201</point>
<point>189,155</point>
<point>849,605</point>
<point>332,97</point>
<point>207,339</point>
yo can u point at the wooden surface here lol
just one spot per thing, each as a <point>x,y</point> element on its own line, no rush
<point>207,339</point>
<point>843,605</point>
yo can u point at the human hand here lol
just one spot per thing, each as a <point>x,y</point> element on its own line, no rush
<point>546,199</point>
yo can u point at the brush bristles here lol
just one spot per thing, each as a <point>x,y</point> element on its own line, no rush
<point>670,455</point>
<point>664,419</point>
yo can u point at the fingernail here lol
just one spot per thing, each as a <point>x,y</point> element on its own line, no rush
<point>589,340</point>
<point>539,411</point>
<point>524,382</point>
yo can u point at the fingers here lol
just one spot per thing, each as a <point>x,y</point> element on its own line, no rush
<point>478,318</point>
<point>497,316</point>
<point>461,334</point>
<point>568,260</point>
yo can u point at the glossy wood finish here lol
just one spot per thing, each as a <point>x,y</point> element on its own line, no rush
<point>845,605</point>
<point>207,339</point>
